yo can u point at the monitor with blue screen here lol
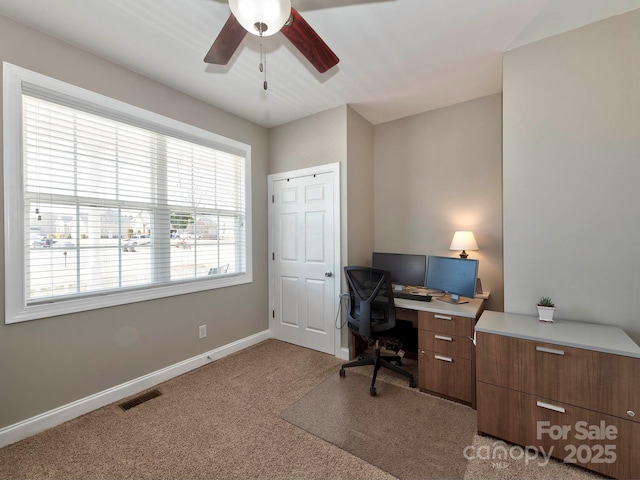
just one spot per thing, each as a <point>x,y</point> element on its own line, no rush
<point>453,276</point>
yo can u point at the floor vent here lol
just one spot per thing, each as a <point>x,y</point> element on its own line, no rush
<point>145,397</point>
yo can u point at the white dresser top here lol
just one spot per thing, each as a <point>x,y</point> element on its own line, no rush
<point>589,336</point>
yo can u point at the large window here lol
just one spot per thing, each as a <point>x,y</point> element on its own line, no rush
<point>108,204</point>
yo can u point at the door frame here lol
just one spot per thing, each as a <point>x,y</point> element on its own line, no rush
<point>333,168</point>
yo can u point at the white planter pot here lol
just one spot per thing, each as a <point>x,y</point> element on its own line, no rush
<point>545,314</point>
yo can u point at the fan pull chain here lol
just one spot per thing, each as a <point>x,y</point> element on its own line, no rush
<point>263,63</point>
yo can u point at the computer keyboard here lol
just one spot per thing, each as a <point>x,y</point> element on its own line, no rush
<point>411,296</point>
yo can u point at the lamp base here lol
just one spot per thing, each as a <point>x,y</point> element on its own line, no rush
<point>463,254</point>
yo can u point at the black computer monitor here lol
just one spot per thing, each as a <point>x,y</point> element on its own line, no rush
<point>405,269</point>
<point>454,276</point>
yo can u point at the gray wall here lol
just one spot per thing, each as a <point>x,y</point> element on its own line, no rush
<point>316,140</point>
<point>439,172</point>
<point>360,189</point>
<point>51,362</point>
<point>360,194</point>
<point>571,173</point>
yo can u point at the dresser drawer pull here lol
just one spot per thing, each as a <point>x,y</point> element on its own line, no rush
<point>548,406</point>
<point>442,337</point>
<point>550,350</point>
<point>631,413</point>
<point>444,359</point>
<point>443,317</point>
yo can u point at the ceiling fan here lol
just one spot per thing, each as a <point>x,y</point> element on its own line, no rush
<point>265,18</point>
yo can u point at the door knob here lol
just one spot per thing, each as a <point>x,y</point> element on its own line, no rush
<point>328,274</point>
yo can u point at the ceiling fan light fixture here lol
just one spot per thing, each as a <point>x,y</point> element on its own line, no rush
<point>261,17</point>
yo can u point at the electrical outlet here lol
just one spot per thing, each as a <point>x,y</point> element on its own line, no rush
<point>202,331</point>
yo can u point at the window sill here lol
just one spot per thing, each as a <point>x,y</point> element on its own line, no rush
<point>76,305</point>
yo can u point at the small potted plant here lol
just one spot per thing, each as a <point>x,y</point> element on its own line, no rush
<point>546,307</point>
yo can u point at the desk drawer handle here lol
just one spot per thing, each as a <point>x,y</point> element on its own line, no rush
<point>550,350</point>
<point>442,337</point>
<point>548,406</point>
<point>444,359</point>
<point>631,413</point>
<point>442,317</point>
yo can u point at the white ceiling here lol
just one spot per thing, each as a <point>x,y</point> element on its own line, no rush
<point>397,57</point>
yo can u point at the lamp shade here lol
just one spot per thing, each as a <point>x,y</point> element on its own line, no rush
<point>264,17</point>
<point>463,240</point>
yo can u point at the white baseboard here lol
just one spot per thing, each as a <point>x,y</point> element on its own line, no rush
<point>344,354</point>
<point>57,416</point>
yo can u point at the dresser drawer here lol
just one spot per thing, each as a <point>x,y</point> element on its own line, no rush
<point>502,414</point>
<point>594,380</point>
<point>446,375</point>
<point>451,345</point>
<point>593,440</point>
<point>446,324</point>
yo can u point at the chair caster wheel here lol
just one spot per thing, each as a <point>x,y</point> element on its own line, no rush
<point>412,384</point>
<point>372,391</point>
<point>342,372</point>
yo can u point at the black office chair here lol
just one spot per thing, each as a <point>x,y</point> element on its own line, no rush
<point>372,315</point>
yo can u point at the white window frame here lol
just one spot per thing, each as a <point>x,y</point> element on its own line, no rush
<point>14,79</point>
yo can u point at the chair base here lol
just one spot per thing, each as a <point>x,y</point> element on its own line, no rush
<point>379,361</point>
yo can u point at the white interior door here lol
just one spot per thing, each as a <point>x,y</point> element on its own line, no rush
<point>305,277</point>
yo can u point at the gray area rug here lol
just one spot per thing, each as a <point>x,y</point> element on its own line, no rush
<point>406,433</point>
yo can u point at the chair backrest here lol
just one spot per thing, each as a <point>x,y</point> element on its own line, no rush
<point>371,306</point>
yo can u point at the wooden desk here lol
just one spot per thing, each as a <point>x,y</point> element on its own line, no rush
<point>446,354</point>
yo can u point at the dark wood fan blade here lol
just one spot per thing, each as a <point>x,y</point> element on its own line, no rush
<point>305,39</point>
<point>227,42</point>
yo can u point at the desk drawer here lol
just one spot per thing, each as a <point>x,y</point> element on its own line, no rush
<point>446,375</point>
<point>597,441</point>
<point>446,324</point>
<point>451,345</point>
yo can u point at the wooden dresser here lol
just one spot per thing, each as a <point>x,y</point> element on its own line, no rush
<point>568,388</point>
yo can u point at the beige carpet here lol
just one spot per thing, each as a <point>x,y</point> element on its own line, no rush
<point>222,421</point>
<point>404,432</point>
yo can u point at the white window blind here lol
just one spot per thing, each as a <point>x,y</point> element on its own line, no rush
<point>113,207</point>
